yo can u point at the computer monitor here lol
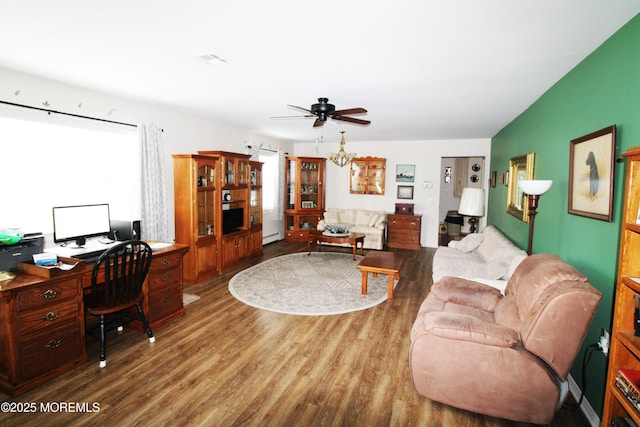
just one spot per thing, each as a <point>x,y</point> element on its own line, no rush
<point>80,222</point>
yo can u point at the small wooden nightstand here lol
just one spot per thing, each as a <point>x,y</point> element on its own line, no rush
<point>403,231</point>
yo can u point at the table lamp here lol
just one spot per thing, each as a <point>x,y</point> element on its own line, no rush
<point>472,205</point>
<point>534,188</point>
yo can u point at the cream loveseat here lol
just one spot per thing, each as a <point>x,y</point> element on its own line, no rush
<point>488,257</point>
<point>371,223</point>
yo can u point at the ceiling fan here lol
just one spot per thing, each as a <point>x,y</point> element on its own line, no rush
<point>323,111</point>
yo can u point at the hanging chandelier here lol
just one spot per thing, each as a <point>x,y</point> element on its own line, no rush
<point>341,158</point>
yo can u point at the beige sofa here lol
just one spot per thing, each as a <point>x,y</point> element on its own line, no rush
<point>506,356</point>
<point>489,257</point>
<point>371,223</point>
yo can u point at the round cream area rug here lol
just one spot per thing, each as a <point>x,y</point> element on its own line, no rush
<point>322,283</point>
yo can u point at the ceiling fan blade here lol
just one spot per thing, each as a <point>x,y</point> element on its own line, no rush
<point>351,120</point>
<point>350,111</point>
<point>300,108</point>
<point>318,123</point>
<point>293,117</point>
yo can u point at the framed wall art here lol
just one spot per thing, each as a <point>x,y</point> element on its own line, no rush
<point>405,191</point>
<point>591,172</point>
<point>405,173</point>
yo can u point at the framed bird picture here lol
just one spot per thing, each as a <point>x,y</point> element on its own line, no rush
<point>591,172</point>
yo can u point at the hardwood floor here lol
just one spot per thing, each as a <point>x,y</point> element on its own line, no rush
<point>228,364</point>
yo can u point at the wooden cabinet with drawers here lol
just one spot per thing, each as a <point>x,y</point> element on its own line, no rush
<point>403,231</point>
<point>164,287</point>
<point>41,330</point>
<point>42,319</point>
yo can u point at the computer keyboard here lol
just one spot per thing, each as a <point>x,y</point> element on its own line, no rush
<point>88,256</point>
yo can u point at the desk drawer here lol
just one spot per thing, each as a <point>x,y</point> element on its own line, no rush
<point>48,351</point>
<point>47,317</point>
<point>47,295</point>
<point>166,261</point>
<point>164,278</point>
<point>164,302</point>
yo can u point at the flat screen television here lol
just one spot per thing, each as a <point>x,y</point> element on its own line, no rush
<point>232,220</point>
<point>80,222</point>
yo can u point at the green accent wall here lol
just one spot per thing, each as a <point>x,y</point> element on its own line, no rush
<point>604,89</point>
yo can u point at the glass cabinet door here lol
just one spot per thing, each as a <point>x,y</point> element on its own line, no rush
<point>375,177</point>
<point>309,184</point>
<point>229,172</point>
<point>242,171</point>
<point>206,176</point>
<point>292,185</point>
<point>358,177</point>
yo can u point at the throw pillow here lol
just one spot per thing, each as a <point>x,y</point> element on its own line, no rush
<point>468,243</point>
<point>373,219</point>
<point>381,219</point>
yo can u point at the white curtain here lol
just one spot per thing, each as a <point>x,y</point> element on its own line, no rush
<point>278,210</point>
<point>154,198</point>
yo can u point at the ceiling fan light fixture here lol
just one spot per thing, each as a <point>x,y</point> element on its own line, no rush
<point>341,158</point>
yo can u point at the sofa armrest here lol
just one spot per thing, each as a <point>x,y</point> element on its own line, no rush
<point>321,224</point>
<point>466,292</point>
<point>462,327</point>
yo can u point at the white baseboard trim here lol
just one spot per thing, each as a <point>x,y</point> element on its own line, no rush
<point>585,406</point>
<point>274,237</point>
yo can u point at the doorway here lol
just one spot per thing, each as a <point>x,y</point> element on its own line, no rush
<point>456,174</point>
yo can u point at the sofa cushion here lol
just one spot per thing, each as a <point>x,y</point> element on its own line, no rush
<point>496,245</point>
<point>452,262</point>
<point>464,327</point>
<point>468,243</point>
<point>363,217</point>
<point>532,278</point>
<point>347,216</point>
<point>331,216</point>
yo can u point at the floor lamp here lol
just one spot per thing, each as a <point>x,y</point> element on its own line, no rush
<point>534,189</point>
<point>472,205</point>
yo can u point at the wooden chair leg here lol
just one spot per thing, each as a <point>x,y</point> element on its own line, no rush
<point>143,318</point>
<point>103,344</point>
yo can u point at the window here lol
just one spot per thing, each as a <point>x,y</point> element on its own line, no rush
<point>54,160</point>
<point>269,178</point>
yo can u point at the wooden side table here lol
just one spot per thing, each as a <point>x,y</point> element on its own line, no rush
<point>403,231</point>
<point>381,262</point>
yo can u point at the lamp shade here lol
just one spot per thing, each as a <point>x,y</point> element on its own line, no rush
<point>472,202</point>
<point>535,187</point>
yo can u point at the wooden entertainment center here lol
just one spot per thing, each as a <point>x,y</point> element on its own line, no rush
<point>218,210</point>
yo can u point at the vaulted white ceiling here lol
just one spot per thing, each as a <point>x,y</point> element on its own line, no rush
<point>424,69</point>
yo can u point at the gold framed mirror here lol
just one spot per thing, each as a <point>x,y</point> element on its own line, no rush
<point>520,167</point>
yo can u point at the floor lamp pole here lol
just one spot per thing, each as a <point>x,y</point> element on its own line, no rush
<point>533,205</point>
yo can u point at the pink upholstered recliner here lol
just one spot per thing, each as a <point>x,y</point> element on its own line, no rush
<point>504,356</point>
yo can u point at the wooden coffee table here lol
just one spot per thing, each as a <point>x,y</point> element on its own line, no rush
<point>353,239</point>
<point>381,262</point>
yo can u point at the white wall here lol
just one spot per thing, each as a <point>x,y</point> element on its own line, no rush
<point>426,155</point>
<point>183,133</point>
<point>186,133</point>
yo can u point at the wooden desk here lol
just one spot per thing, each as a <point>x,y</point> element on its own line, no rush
<point>381,262</point>
<point>42,322</point>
